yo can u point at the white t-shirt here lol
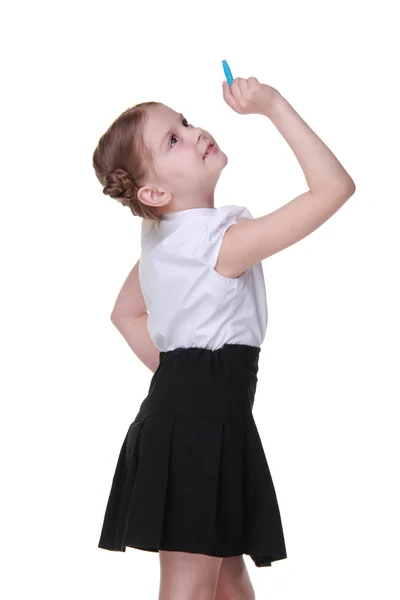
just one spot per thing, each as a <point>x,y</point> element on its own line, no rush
<point>189,303</point>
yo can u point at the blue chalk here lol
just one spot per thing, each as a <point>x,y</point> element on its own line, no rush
<point>227,72</point>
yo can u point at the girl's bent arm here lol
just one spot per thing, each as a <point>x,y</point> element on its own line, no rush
<point>134,331</point>
<point>252,240</point>
<point>130,302</point>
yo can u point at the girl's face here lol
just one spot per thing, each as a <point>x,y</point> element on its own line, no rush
<point>181,170</point>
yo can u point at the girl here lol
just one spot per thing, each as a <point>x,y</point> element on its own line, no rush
<point>192,481</point>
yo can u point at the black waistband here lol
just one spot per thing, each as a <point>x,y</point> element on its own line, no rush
<point>195,355</point>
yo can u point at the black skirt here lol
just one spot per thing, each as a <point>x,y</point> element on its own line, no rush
<point>192,474</point>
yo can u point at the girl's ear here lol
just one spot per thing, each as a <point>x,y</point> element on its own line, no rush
<point>153,197</point>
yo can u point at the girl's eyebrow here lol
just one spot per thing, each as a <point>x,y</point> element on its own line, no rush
<point>169,131</point>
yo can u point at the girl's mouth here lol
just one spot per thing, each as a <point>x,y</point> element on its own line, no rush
<point>210,150</point>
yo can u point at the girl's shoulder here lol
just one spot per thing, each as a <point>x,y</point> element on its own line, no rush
<point>215,226</point>
<point>228,212</point>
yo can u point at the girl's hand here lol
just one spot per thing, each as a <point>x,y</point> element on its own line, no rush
<point>249,96</point>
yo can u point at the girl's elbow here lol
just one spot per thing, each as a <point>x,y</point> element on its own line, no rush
<point>115,318</point>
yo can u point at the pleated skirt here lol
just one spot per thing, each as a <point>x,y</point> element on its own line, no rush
<point>192,475</point>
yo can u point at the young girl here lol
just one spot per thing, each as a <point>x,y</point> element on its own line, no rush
<point>192,481</point>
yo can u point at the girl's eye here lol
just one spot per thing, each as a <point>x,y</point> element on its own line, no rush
<point>174,136</point>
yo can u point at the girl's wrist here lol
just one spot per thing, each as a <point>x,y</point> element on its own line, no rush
<point>276,106</point>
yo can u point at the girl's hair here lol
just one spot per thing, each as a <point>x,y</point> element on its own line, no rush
<point>121,160</point>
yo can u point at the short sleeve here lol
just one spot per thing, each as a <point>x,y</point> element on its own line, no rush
<point>215,227</point>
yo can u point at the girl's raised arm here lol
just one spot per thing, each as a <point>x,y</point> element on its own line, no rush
<point>252,240</point>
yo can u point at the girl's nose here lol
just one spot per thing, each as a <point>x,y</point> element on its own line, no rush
<point>198,133</point>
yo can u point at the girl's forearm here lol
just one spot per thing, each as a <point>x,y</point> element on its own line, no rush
<point>320,166</point>
<point>137,336</point>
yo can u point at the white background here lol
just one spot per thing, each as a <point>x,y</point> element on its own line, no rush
<point>328,392</point>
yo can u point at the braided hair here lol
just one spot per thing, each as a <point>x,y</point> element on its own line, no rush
<point>121,160</point>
